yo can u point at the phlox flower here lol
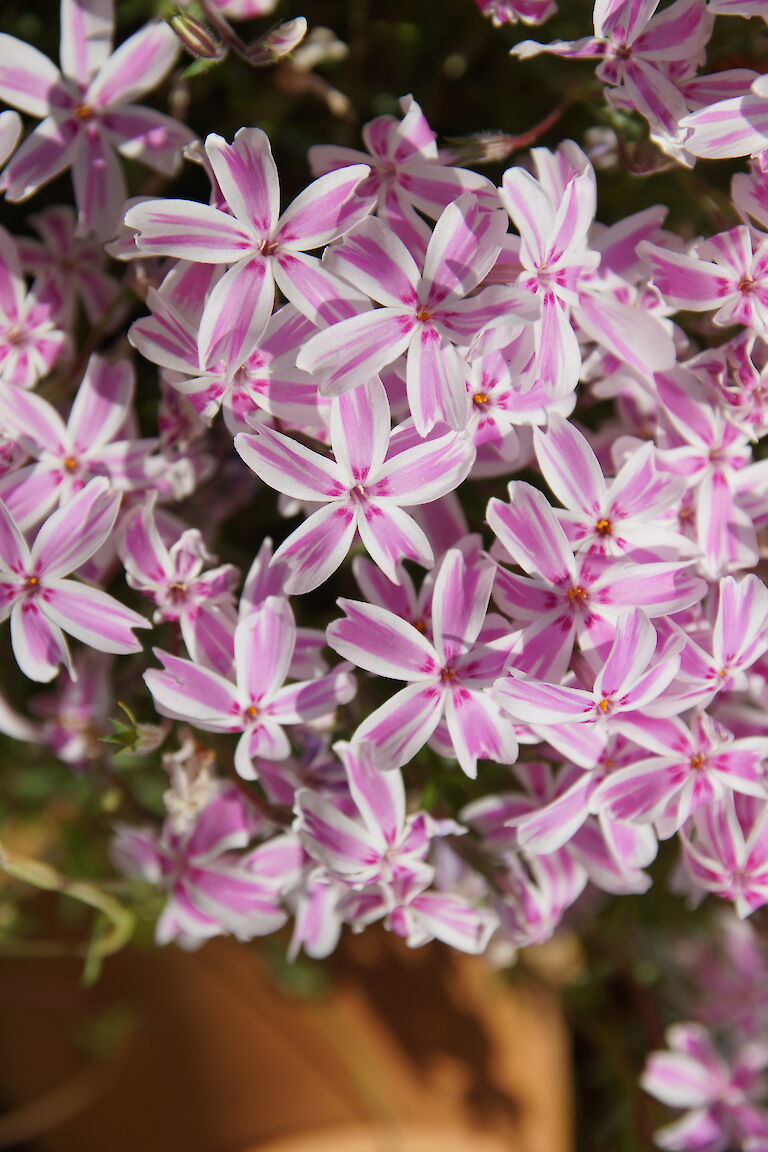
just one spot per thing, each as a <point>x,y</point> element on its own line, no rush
<point>728,272</point>
<point>636,43</point>
<point>692,765</point>
<point>566,595</point>
<point>363,490</point>
<point>510,11</point>
<point>173,575</point>
<point>425,312</point>
<point>446,678</point>
<point>242,371</point>
<point>725,851</point>
<point>32,336</point>
<point>375,842</point>
<point>619,516</point>
<point>262,247</point>
<point>407,173</point>
<point>256,702</point>
<point>629,686</point>
<point>88,110</point>
<point>723,1097</point>
<point>66,456</point>
<point>73,266</point>
<point>213,885</point>
<point>43,604</point>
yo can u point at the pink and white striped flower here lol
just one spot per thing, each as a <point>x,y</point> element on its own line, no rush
<point>43,604</point>
<point>725,1100</point>
<point>446,678</point>
<point>256,703</point>
<point>424,313</point>
<point>31,330</point>
<point>214,886</point>
<point>66,456</point>
<point>262,247</point>
<point>88,111</point>
<point>363,490</point>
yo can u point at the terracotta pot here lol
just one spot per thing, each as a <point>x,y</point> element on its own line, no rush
<point>409,1051</point>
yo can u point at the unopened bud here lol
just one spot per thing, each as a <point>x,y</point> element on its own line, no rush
<point>278,43</point>
<point>198,38</point>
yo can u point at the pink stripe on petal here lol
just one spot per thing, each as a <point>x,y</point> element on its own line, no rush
<point>28,79</point>
<point>264,643</point>
<point>391,536</point>
<point>186,691</point>
<point>92,616</point>
<point>534,702</point>
<point>78,529</point>
<point>424,473</point>
<point>99,183</point>
<point>381,642</point>
<point>149,136</point>
<point>399,728</point>
<point>86,37</point>
<point>459,604</point>
<point>570,466</point>
<point>324,210</point>
<point>478,730</point>
<point>360,427</point>
<point>14,553</point>
<point>312,699</point>
<point>378,263</point>
<point>137,66</point>
<point>435,379</point>
<point>315,550</point>
<point>352,352</point>
<point>189,231</point>
<point>46,152</point>
<point>247,176</point>
<point>528,530</point>
<point>38,644</point>
<point>103,403</point>
<point>289,467</point>
<point>379,796</point>
<point>236,312</point>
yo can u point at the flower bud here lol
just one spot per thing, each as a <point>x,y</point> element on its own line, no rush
<point>198,38</point>
<point>278,42</point>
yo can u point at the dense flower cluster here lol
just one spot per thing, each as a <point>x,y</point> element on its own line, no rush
<point>401,333</point>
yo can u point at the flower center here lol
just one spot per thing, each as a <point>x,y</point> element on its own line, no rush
<point>577,593</point>
<point>33,581</point>
<point>604,705</point>
<point>745,285</point>
<point>84,112</point>
<point>623,52</point>
<point>419,625</point>
<point>70,463</point>
<point>424,315</point>
<point>268,247</point>
<point>698,760</point>
<point>252,711</point>
<point>603,527</point>
<point>479,399</point>
<point>448,674</point>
